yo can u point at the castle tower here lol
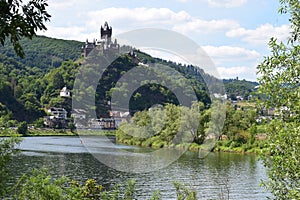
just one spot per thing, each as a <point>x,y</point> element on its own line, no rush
<point>106,33</point>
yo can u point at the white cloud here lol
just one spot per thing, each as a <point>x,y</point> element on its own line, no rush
<point>159,17</point>
<point>223,54</point>
<point>233,61</point>
<point>138,16</point>
<point>68,33</point>
<point>198,25</point>
<point>226,3</point>
<point>260,35</point>
<point>60,5</point>
<point>240,71</point>
<point>125,19</point>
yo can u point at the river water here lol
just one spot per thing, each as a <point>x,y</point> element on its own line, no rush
<point>218,174</point>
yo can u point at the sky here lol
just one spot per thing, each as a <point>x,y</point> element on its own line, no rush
<point>234,33</point>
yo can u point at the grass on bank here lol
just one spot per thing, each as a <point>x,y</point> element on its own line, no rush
<point>256,147</point>
<point>8,132</point>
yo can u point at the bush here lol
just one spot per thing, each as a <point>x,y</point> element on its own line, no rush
<point>235,144</point>
<point>159,144</point>
<point>7,150</point>
<point>39,123</point>
<point>40,185</point>
<point>22,128</point>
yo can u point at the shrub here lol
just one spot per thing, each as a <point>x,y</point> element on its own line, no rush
<point>22,128</point>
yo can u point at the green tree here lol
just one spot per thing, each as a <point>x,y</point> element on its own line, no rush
<point>58,81</point>
<point>21,20</point>
<point>39,123</point>
<point>7,149</point>
<point>22,128</point>
<point>280,75</point>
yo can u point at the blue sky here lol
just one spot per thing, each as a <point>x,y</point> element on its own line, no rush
<point>234,33</point>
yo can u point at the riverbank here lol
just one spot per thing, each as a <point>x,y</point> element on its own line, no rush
<point>56,132</point>
<point>257,147</point>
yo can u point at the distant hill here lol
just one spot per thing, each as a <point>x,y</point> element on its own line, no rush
<point>235,87</point>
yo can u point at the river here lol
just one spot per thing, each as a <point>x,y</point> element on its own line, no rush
<point>235,175</point>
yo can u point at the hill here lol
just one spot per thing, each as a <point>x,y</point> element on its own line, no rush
<point>42,52</point>
<point>242,88</point>
<point>29,85</point>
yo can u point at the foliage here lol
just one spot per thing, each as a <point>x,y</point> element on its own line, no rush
<point>156,195</point>
<point>238,123</point>
<point>7,150</point>
<point>21,20</point>
<point>39,123</point>
<point>40,185</point>
<point>149,91</point>
<point>243,88</point>
<point>42,54</point>
<point>280,75</point>
<point>292,7</point>
<point>22,128</point>
<point>163,126</point>
<point>173,125</point>
<point>29,84</point>
<point>26,85</point>
<point>184,193</point>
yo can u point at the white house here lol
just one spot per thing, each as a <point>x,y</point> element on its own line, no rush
<point>58,113</point>
<point>240,98</point>
<point>220,96</point>
<point>64,92</point>
<point>78,114</point>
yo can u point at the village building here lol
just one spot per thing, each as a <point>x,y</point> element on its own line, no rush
<point>223,97</point>
<point>57,118</point>
<point>58,113</point>
<point>119,117</point>
<point>65,92</point>
<point>240,98</point>
<point>78,114</point>
<point>102,123</point>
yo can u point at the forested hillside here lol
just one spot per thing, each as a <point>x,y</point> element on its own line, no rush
<point>42,52</point>
<point>30,85</point>
<point>21,80</point>
<point>242,88</point>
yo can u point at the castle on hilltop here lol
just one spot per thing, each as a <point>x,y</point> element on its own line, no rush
<point>105,43</point>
